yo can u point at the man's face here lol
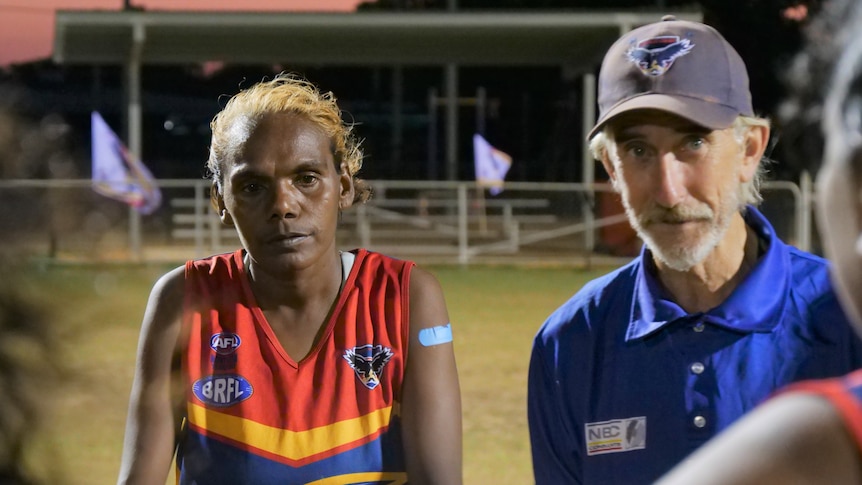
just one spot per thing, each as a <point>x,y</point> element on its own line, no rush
<point>681,184</point>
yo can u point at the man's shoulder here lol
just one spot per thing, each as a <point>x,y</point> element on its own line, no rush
<point>800,257</point>
<point>618,281</point>
<point>593,301</point>
<point>812,292</point>
<point>808,271</point>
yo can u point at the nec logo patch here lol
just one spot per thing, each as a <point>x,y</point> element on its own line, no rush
<point>616,436</point>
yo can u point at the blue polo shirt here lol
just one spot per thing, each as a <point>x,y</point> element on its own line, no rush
<point>624,383</point>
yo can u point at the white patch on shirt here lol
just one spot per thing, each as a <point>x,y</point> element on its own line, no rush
<point>615,436</point>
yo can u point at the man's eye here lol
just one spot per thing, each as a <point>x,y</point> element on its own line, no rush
<point>252,187</point>
<point>636,150</point>
<point>695,143</point>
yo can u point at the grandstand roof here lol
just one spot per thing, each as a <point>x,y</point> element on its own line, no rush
<point>362,38</point>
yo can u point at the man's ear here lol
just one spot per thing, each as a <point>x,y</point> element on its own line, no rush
<point>348,189</point>
<point>217,202</point>
<point>609,168</point>
<point>754,146</point>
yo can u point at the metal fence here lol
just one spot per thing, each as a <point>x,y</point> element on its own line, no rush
<point>445,222</point>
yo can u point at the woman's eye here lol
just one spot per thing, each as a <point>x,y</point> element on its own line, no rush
<point>307,179</point>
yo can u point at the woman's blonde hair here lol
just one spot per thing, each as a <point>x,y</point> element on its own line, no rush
<point>286,93</point>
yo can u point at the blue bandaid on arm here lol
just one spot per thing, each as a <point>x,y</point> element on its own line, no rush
<point>440,334</point>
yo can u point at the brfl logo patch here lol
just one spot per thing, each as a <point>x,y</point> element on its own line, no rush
<point>222,390</point>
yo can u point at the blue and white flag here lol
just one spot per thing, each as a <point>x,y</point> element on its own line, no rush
<point>491,165</point>
<point>119,175</point>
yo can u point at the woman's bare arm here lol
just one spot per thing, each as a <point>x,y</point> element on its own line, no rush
<point>431,407</point>
<point>155,404</point>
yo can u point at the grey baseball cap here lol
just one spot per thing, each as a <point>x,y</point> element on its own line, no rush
<point>682,67</point>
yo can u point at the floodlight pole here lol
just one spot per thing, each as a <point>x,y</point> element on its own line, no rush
<point>451,121</point>
<point>588,174</point>
<point>133,78</point>
<point>451,111</point>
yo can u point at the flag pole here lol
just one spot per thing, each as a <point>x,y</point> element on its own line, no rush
<point>133,73</point>
<point>482,209</point>
<point>491,167</point>
<point>480,189</point>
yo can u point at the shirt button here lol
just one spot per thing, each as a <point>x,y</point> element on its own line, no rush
<point>699,421</point>
<point>698,327</point>
<point>696,368</point>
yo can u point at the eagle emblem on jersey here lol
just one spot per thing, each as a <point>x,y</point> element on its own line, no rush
<point>368,361</point>
<point>655,56</point>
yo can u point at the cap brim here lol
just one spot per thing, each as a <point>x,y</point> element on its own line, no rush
<point>704,113</point>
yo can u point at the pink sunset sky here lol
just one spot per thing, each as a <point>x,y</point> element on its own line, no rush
<point>27,26</point>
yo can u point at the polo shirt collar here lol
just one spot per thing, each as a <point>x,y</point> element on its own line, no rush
<point>752,307</point>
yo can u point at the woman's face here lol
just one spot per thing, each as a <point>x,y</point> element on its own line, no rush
<point>283,192</point>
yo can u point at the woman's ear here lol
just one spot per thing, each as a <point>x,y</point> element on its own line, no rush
<point>348,189</point>
<point>217,202</point>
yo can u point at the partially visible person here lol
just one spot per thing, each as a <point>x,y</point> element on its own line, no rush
<point>288,361</point>
<point>644,365</point>
<point>811,432</point>
<point>29,365</point>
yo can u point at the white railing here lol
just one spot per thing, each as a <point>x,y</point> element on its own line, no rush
<point>448,220</point>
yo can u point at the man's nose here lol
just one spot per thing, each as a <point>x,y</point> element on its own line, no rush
<point>670,189</point>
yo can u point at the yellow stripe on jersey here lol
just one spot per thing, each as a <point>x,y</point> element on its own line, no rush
<point>293,445</point>
<point>393,478</point>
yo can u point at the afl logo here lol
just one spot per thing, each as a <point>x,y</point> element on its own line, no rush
<point>222,390</point>
<point>225,342</point>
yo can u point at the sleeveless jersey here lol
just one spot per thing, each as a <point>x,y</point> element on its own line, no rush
<point>845,394</point>
<point>255,416</point>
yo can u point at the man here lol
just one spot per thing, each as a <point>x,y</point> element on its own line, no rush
<point>817,423</point>
<point>645,364</point>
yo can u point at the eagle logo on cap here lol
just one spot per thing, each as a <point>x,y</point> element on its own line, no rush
<point>655,56</point>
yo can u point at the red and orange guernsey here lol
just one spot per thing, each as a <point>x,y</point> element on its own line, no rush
<point>257,416</point>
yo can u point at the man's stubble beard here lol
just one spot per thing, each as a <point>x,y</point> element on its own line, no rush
<point>676,256</point>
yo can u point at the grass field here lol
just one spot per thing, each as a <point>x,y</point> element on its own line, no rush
<point>96,313</point>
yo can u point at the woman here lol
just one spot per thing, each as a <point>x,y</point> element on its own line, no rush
<point>288,361</point>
